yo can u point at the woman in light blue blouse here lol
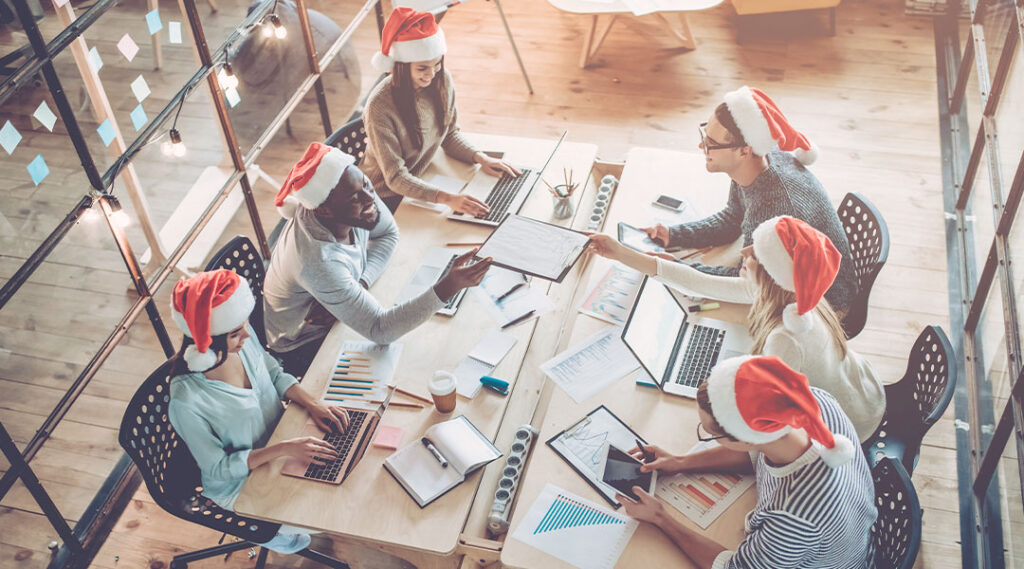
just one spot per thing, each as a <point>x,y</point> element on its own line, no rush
<point>226,394</point>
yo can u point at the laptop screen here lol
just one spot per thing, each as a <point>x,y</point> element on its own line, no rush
<point>652,331</point>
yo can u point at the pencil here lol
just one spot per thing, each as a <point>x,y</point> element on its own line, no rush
<point>405,405</point>
<point>412,395</point>
<point>695,253</point>
<point>463,244</point>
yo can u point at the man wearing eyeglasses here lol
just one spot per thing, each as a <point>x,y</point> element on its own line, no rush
<point>749,139</point>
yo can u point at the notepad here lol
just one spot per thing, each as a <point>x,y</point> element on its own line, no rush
<point>420,473</point>
<point>481,361</point>
<point>534,248</point>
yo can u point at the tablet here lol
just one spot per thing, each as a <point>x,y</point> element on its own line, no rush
<point>622,472</point>
<point>637,239</point>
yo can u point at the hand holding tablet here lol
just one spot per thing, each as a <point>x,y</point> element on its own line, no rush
<point>622,472</point>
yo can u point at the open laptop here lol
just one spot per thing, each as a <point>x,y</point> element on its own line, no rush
<point>351,445</point>
<point>676,352</point>
<point>502,195</point>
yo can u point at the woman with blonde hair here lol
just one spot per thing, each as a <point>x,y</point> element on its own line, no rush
<point>784,277</point>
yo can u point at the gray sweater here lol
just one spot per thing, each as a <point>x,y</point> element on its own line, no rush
<point>785,187</point>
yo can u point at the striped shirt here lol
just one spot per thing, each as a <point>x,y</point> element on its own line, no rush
<point>809,515</point>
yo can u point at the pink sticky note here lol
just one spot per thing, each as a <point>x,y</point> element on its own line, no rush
<point>128,47</point>
<point>388,437</point>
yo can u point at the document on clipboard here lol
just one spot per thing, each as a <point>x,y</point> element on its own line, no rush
<point>534,247</point>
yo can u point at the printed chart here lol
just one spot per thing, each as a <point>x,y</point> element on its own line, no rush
<point>703,496</point>
<point>593,364</point>
<point>575,530</point>
<point>362,374</point>
<point>613,295</point>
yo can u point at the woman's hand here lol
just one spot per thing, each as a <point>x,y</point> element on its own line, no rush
<point>663,460</point>
<point>658,234</point>
<point>308,449</point>
<point>329,418</point>
<point>494,166</point>
<point>648,509</point>
<point>464,204</point>
<point>606,246</point>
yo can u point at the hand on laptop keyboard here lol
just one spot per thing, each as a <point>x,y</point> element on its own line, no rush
<point>494,166</point>
<point>328,418</point>
<point>463,204</point>
<point>308,449</point>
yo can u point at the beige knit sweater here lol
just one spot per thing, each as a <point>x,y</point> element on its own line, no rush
<point>393,161</point>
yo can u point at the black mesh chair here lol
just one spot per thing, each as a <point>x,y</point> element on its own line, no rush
<point>241,256</point>
<point>174,481</point>
<point>869,246</point>
<point>915,402</point>
<point>350,138</point>
<point>896,533</point>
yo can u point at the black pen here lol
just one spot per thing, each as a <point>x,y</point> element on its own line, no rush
<point>648,456</point>
<point>433,450</point>
<point>518,320</point>
<point>509,291</point>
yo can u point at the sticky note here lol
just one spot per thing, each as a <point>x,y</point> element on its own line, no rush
<point>95,60</point>
<point>140,88</point>
<point>139,117</point>
<point>44,115</point>
<point>106,130</point>
<point>9,137</point>
<point>153,22</point>
<point>129,49</point>
<point>174,30</point>
<point>388,437</point>
<point>232,96</point>
<point>38,169</point>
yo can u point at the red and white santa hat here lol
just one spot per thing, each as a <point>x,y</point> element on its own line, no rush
<point>409,36</point>
<point>759,399</point>
<point>206,305</point>
<point>764,127</point>
<point>800,259</point>
<point>312,178</point>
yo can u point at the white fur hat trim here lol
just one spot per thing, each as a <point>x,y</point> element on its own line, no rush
<point>750,120</point>
<point>772,254</point>
<point>722,396</point>
<point>411,51</point>
<point>326,177</point>
<point>807,157</point>
<point>199,361</point>
<point>227,315</point>
<point>843,451</point>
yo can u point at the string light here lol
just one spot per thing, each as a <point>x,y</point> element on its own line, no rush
<point>117,215</point>
<point>272,25</point>
<point>174,145</point>
<point>227,77</point>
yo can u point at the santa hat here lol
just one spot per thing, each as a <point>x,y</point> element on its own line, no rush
<point>409,36</point>
<point>312,178</point>
<point>764,127</point>
<point>759,399</point>
<point>800,259</point>
<point>207,305</point>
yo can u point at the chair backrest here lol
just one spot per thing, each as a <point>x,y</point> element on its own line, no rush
<point>167,466</point>
<point>350,138</point>
<point>868,236</point>
<point>241,256</point>
<point>896,533</point>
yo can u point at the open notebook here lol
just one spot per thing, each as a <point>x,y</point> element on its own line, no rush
<point>420,472</point>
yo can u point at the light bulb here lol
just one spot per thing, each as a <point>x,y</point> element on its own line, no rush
<point>120,218</point>
<point>90,216</point>
<point>281,33</point>
<point>279,29</point>
<point>268,30</point>
<point>227,77</point>
<point>174,146</point>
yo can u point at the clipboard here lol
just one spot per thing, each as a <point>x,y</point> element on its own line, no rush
<point>572,254</point>
<point>583,444</point>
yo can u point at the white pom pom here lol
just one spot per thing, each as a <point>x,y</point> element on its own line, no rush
<point>807,157</point>
<point>287,209</point>
<point>796,322</point>
<point>843,452</point>
<point>199,361</point>
<point>382,62</point>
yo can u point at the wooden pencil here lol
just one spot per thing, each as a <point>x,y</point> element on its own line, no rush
<point>413,395</point>
<point>405,405</point>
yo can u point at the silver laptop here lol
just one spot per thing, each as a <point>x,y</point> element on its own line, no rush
<point>676,350</point>
<point>502,195</point>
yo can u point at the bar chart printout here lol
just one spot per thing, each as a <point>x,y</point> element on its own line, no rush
<point>575,530</point>
<point>703,496</point>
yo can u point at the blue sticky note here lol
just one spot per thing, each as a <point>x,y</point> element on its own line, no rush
<point>140,88</point>
<point>106,130</point>
<point>95,60</point>
<point>139,118</point>
<point>153,21</point>
<point>9,137</point>
<point>38,169</point>
<point>232,97</point>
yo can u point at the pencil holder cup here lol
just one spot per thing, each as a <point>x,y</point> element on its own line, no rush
<point>497,521</point>
<point>562,206</point>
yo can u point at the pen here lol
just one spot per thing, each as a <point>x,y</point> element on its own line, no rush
<point>518,320</point>
<point>433,450</point>
<point>509,291</point>
<point>648,455</point>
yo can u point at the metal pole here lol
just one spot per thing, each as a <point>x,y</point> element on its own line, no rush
<point>314,66</point>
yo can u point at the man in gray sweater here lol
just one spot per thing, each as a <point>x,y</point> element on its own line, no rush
<point>749,139</point>
<point>338,241</point>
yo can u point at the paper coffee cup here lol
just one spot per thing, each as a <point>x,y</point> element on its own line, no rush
<point>442,390</point>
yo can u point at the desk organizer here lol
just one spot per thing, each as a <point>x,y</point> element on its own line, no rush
<point>497,521</point>
<point>602,201</point>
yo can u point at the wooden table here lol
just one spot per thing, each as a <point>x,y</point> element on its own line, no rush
<point>665,420</point>
<point>671,13</point>
<point>370,507</point>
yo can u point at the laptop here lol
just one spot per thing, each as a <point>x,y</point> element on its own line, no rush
<point>351,445</point>
<point>436,263</point>
<point>675,350</point>
<point>502,195</point>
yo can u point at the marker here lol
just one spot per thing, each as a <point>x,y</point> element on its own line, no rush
<point>433,450</point>
<point>518,320</point>
<point>648,455</point>
<point>509,292</point>
<point>703,307</point>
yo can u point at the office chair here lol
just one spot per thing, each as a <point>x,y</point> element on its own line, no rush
<point>241,256</point>
<point>174,481</point>
<point>896,533</point>
<point>350,138</point>
<point>915,402</point>
<point>868,236</point>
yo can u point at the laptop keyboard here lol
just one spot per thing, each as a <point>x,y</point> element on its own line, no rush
<point>701,355</point>
<point>329,471</point>
<point>503,193</point>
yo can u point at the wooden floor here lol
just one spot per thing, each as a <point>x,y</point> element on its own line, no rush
<point>867,96</point>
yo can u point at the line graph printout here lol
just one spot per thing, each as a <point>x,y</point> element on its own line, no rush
<point>575,530</point>
<point>593,364</point>
<point>703,496</point>
<point>613,295</point>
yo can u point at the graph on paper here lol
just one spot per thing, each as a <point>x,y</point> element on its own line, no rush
<point>575,530</point>
<point>613,295</point>
<point>595,363</point>
<point>703,496</point>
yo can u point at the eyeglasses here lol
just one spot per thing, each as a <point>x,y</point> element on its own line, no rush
<point>710,437</point>
<point>709,144</point>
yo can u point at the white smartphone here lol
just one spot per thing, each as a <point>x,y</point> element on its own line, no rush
<point>668,202</point>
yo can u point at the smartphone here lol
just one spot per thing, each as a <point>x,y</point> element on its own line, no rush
<point>622,472</point>
<point>637,239</point>
<point>668,202</point>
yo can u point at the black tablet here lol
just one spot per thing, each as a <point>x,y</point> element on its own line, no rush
<point>637,239</point>
<point>622,472</point>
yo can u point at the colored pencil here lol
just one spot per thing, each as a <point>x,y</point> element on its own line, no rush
<point>413,395</point>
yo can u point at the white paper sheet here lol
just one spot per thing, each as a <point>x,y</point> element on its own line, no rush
<point>493,347</point>
<point>593,364</point>
<point>534,247</point>
<point>497,282</point>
